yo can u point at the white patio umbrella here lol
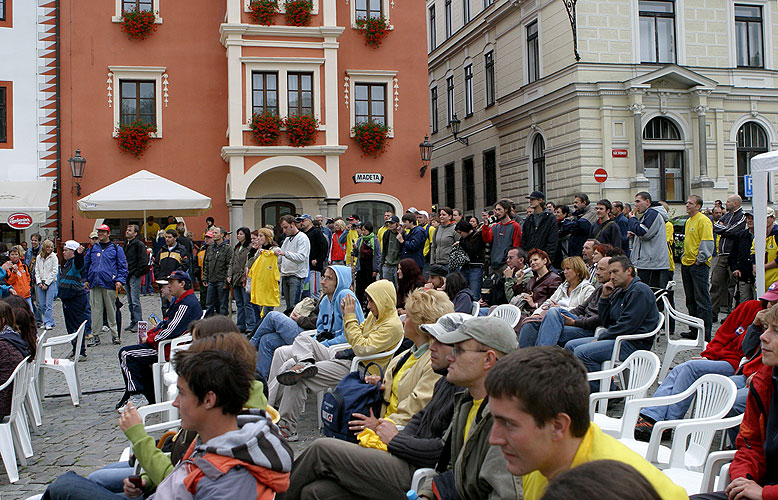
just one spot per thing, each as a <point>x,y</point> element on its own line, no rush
<point>761,166</point>
<point>143,192</point>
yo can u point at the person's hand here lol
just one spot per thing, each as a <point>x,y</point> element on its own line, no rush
<point>295,315</point>
<point>278,252</point>
<point>313,262</point>
<point>362,422</point>
<point>400,237</point>
<point>482,303</point>
<point>12,291</point>
<point>203,283</point>
<point>373,379</point>
<point>386,430</point>
<point>759,318</point>
<point>508,272</point>
<point>569,321</point>
<point>229,279</point>
<point>374,274</point>
<point>80,249</point>
<point>607,289</point>
<point>130,491</point>
<point>129,417</point>
<point>44,287</point>
<point>400,311</point>
<point>741,488</point>
<point>736,273</point>
<point>348,305</point>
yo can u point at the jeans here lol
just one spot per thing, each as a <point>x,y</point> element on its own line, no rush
<point>260,312</point>
<point>133,299</point>
<point>245,312</point>
<point>553,331</point>
<point>111,477</point>
<point>593,353</point>
<point>291,288</point>
<point>217,297</point>
<point>71,486</point>
<point>474,276</point>
<point>389,273</point>
<point>46,302</point>
<point>76,311</point>
<point>678,380</point>
<point>276,329</point>
<point>695,286</point>
<point>148,287</point>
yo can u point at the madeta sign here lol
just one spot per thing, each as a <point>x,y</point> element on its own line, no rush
<point>368,177</point>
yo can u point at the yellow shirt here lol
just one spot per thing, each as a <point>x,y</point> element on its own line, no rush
<point>150,230</point>
<point>471,416</point>
<point>393,399</point>
<point>380,235</point>
<point>351,237</point>
<point>264,276</point>
<point>698,228</point>
<point>596,445</point>
<point>670,239</point>
<point>429,229</point>
<point>771,253</point>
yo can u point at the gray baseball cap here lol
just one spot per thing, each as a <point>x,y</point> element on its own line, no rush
<point>445,324</point>
<point>490,331</point>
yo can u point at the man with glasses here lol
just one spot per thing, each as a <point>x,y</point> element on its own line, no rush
<point>473,468</point>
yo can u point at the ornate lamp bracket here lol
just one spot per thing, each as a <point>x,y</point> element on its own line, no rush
<point>570,7</point>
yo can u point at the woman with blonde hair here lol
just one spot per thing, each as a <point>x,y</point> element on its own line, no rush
<point>46,272</point>
<point>263,274</point>
<point>338,250</point>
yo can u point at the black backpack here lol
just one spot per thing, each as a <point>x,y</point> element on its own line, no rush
<point>352,395</point>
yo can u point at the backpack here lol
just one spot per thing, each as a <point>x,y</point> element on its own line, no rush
<point>352,395</point>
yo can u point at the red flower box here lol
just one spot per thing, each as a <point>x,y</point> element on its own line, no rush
<point>302,130</point>
<point>138,24</point>
<point>374,30</point>
<point>134,137</point>
<point>266,128</point>
<point>298,12</point>
<point>371,137</point>
<point>262,11</point>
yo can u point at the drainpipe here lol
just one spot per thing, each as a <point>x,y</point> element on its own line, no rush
<point>57,19</point>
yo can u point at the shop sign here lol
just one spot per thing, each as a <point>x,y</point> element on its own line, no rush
<point>368,177</point>
<point>619,153</point>
<point>19,221</point>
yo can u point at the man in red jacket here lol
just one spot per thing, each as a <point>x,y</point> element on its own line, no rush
<point>722,356</point>
<point>753,471</point>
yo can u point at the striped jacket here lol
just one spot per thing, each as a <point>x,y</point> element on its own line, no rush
<point>177,319</point>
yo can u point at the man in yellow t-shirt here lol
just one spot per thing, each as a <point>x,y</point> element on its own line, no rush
<point>695,263</point>
<point>150,229</point>
<point>539,399</point>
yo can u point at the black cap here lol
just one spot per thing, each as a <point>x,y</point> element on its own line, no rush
<point>438,270</point>
<point>536,195</point>
<point>394,218</point>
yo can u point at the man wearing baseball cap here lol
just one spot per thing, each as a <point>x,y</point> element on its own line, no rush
<point>135,361</point>
<point>540,229</point>
<point>72,293</point>
<point>105,267</point>
<point>171,257</point>
<point>390,248</point>
<point>474,469</point>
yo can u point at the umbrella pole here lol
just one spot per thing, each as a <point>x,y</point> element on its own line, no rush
<point>145,226</point>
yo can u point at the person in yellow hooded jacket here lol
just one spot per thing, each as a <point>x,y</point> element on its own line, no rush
<point>381,331</point>
<point>263,274</point>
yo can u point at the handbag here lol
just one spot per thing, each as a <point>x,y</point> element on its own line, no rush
<point>457,259</point>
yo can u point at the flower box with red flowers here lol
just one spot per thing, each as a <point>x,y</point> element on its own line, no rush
<point>302,130</point>
<point>138,24</point>
<point>371,137</point>
<point>263,11</point>
<point>298,12</point>
<point>266,128</point>
<point>135,137</point>
<point>374,30</point>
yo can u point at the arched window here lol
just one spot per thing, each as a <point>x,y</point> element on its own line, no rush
<point>368,210</point>
<point>539,164</point>
<point>663,160</point>
<point>751,141</point>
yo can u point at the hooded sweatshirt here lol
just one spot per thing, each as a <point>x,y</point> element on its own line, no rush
<point>649,248</point>
<point>379,334</point>
<point>251,462</point>
<point>330,315</point>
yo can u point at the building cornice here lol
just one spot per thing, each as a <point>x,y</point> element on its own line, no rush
<point>241,30</point>
<point>326,150</point>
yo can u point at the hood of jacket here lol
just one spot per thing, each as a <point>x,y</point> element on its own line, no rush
<point>16,340</point>
<point>330,316</point>
<point>661,211</point>
<point>384,295</point>
<point>343,273</point>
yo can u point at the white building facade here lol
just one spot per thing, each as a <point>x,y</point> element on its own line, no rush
<point>669,96</point>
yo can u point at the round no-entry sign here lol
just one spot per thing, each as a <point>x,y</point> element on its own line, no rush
<point>600,175</point>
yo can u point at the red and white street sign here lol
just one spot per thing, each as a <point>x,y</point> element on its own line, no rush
<point>600,175</point>
<point>619,153</point>
<point>19,221</point>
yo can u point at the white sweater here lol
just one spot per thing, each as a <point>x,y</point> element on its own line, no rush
<point>46,270</point>
<point>567,300</point>
<point>295,262</point>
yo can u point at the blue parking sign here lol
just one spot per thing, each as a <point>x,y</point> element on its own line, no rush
<point>748,186</point>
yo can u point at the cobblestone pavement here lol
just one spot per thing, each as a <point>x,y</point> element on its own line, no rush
<point>85,438</point>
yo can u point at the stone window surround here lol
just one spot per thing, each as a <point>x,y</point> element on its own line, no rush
<point>149,73</point>
<point>372,76</point>
<point>117,15</point>
<point>767,33</point>
<point>680,32</point>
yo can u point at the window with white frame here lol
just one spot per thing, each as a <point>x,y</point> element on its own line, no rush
<point>132,5</point>
<point>466,11</point>
<point>489,78</point>
<point>371,97</point>
<point>281,6</point>
<point>449,100</point>
<point>539,164</point>
<point>449,19</point>
<point>293,87</point>
<point>468,90</point>
<point>487,3</point>
<point>373,9</point>
<point>657,31</point>
<point>299,92</point>
<point>3,114</point>
<point>748,34</point>
<point>434,110</point>
<point>141,93</point>
<point>2,10</point>
<point>264,92</point>
<point>433,38</point>
<point>533,52</point>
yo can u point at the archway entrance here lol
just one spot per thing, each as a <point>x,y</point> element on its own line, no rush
<point>272,212</point>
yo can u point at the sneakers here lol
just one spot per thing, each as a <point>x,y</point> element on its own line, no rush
<point>138,400</point>
<point>130,327</point>
<point>643,429</point>
<point>92,340</point>
<point>49,327</point>
<point>105,328</point>
<point>297,373</point>
<point>115,340</point>
<point>290,435</point>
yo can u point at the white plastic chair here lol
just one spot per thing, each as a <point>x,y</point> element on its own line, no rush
<point>714,396</point>
<point>144,412</point>
<point>643,368</point>
<point>65,366</point>
<point>693,481</point>
<point>614,361</point>
<point>476,308</point>
<point>32,400</point>
<point>507,312</point>
<point>676,346</point>
<point>11,447</point>
<point>419,476</point>
<point>156,368</point>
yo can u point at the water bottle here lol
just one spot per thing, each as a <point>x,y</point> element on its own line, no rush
<point>412,495</point>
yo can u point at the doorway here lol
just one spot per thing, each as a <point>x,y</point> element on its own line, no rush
<point>272,212</point>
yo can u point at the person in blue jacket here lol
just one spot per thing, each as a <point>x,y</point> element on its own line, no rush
<point>278,330</point>
<point>412,241</point>
<point>105,268</point>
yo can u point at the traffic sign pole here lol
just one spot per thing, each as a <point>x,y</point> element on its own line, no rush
<point>600,175</point>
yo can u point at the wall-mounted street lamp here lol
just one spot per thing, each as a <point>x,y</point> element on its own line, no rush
<point>425,148</point>
<point>454,124</point>
<point>77,167</point>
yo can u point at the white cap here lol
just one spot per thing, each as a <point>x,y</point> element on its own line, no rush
<point>412,210</point>
<point>72,245</point>
<point>424,213</point>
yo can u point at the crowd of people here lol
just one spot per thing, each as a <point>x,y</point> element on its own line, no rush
<point>463,391</point>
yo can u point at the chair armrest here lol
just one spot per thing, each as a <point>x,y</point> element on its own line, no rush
<point>596,397</point>
<point>161,350</point>
<point>309,333</point>
<point>712,468</point>
<point>684,428</point>
<point>632,409</point>
<point>62,339</point>
<point>603,374</point>
<point>147,410</point>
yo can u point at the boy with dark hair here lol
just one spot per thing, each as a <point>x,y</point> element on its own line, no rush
<point>544,432</point>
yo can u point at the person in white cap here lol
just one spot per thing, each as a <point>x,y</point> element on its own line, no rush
<point>73,293</point>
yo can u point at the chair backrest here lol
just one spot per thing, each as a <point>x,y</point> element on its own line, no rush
<point>79,341</point>
<point>39,352</point>
<point>507,312</point>
<point>476,308</point>
<point>19,390</point>
<point>714,397</point>
<point>178,343</point>
<point>643,369</point>
<point>617,345</point>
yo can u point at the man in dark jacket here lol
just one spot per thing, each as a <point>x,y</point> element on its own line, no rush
<point>215,268</point>
<point>105,267</point>
<point>412,242</point>
<point>503,234</point>
<point>728,229</point>
<point>186,243</point>
<point>171,257</point>
<point>605,229</point>
<point>540,229</point>
<point>137,264</point>
<point>346,470</point>
<point>627,306</point>
<point>317,256</point>
<point>740,263</point>
<point>390,250</point>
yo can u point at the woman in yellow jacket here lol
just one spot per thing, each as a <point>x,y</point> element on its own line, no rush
<point>409,380</point>
<point>263,274</point>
